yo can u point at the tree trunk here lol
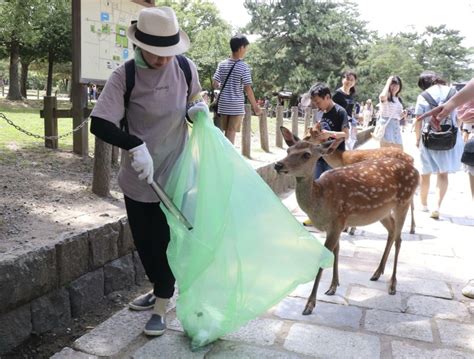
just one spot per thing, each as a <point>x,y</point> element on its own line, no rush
<point>102,168</point>
<point>24,79</point>
<point>14,88</point>
<point>49,84</point>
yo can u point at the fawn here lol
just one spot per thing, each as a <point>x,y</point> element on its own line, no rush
<point>337,158</point>
<point>353,195</point>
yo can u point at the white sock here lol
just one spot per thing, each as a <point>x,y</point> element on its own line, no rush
<point>160,306</point>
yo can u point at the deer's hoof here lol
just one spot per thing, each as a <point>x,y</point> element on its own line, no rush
<point>352,231</point>
<point>308,309</point>
<point>376,275</point>
<point>331,291</point>
<point>412,231</point>
<point>392,290</point>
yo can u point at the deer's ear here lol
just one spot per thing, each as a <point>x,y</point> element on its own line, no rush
<point>330,146</point>
<point>289,138</point>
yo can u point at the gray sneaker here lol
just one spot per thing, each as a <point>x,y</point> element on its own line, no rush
<point>156,326</point>
<point>143,302</point>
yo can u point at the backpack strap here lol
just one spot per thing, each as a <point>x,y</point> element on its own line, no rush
<point>129,85</point>
<point>184,65</point>
<point>431,101</point>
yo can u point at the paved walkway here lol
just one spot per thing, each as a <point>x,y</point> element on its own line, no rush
<point>427,318</point>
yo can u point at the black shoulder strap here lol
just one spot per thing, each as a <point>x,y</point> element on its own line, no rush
<point>129,85</point>
<point>129,80</point>
<point>184,65</point>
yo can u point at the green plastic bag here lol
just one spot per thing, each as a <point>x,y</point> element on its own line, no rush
<point>246,251</point>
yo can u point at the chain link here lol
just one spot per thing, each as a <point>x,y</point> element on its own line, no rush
<point>10,122</point>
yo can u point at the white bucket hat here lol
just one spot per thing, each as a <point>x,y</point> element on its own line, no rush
<point>157,31</point>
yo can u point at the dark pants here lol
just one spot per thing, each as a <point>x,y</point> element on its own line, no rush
<point>321,167</point>
<point>151,235</point>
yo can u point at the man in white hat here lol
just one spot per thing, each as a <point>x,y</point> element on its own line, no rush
<point>155,137</point>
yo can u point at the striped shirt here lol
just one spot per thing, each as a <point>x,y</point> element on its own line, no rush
<point>389,109</point>
<point>231,99</point>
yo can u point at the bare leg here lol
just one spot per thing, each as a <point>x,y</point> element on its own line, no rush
<point>471,181</point>
<point>424,188</point>
<point>441,188</point>
<point>230,134</point>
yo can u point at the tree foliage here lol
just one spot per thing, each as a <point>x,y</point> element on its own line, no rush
<point>208,32</point>
<point>303,41</point>
<point>19,28</point>
<point>388,56</point>
<point>441,50</point>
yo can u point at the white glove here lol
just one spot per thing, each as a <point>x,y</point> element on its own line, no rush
<point>195,109</point>
<point>142,162</point>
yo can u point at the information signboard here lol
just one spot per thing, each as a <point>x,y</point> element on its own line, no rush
<point>104,42</point>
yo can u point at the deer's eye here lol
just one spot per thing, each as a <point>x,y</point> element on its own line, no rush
<point>306,155</point>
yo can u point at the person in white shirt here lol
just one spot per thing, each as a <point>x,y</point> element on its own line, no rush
<point>391,112</point>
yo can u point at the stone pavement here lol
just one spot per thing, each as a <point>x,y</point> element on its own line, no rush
<point>427,318</point>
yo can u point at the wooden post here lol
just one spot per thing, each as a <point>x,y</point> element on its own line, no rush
<point>50,121</point>
<point>37,94</point>
<point>313,115</point>
<point>294,120</point>
<point>102,168</point>
<point>246,131</point>
<point>264,131</point>
<point>79,91</point>
<point>115,155</point>
<point>307,118</point>
<point>279,123</point>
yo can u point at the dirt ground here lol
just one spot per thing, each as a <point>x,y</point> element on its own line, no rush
<point>44,193</point>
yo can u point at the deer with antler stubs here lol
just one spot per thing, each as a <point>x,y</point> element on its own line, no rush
<point>337,158</point>
<point>353,195</point>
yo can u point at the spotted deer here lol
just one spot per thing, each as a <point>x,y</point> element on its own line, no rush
<point>337,158</point>
<point>354,195</point>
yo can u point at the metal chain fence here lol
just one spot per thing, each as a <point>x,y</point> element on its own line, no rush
<point>28,133</point>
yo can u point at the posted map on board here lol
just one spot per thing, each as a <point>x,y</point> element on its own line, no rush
<point>104,42</point>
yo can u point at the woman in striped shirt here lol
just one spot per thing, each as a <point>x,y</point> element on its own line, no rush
<point>391,112</point>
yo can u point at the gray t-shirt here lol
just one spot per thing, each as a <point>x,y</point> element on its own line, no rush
<point>156,115</point>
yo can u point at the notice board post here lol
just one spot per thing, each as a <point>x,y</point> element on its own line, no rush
<point>78,91</point>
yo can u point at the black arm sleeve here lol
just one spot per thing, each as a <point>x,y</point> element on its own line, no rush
<point>108,132</point>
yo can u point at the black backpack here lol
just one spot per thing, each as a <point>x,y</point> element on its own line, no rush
<point>130,84</point>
